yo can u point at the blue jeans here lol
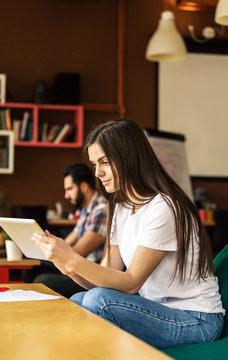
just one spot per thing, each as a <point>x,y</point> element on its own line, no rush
<point>152,322</point>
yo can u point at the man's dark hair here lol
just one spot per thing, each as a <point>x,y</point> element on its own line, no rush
<point>80,173</point>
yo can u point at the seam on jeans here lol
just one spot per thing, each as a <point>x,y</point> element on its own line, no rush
<point>202,328</point>
<point>196,321</point>
<point>216,332</point>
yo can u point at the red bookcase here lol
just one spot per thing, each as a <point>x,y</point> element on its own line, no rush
<point>52,115</point>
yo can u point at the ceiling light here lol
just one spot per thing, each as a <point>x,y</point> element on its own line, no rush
<point>221,12</point>
<point>166,44</point>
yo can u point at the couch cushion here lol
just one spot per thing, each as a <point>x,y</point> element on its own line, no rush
<point>221,270</point>
<point>218,349</point>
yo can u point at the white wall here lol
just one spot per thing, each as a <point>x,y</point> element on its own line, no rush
<point>193,100</point>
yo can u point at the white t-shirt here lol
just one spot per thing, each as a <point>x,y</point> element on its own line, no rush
<point>153,226</point>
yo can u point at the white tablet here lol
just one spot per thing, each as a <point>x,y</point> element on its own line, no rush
<point>20,231</point>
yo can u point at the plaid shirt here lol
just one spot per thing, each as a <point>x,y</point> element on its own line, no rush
<point>93,218</point>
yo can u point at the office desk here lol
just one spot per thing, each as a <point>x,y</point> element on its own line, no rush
<point>6,266</point>
<point>62,330</point>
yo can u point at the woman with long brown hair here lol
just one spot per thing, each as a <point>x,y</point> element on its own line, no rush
<point>156,278</point>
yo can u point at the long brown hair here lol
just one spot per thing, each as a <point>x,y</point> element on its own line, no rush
<point>131,157</point>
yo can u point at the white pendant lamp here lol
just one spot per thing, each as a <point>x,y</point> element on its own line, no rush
<point>221,12</point>
<point>166,44</point>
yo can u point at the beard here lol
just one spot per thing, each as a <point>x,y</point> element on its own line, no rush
<point>79,200</point>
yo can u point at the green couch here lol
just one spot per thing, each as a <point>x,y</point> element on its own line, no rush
<point>217,350</point>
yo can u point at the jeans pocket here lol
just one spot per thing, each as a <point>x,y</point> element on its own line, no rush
<point>219,326</point>
<point>212,326</point>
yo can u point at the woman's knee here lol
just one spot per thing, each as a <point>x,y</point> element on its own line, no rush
<point>96,299</point>
<point>88,299</point>
<point>78,297</point>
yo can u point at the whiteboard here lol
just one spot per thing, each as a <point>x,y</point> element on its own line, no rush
<point>172,154</point>
<point>193,100</point>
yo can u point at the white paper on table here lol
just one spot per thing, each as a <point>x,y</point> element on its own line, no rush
<point>25,295</point>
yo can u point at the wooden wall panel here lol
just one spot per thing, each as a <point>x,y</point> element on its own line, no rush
<point>40,38</point>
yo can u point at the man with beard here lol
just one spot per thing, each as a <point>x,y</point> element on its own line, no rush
<point>88,236</point>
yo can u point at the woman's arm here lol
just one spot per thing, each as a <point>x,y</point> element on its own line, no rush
<point>115,263</point>
<point>145,260</point>
<point>76,278</point>
<point>143,264</point>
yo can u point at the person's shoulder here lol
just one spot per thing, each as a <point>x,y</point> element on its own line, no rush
<point>157,199</point>
<point>160,203</point>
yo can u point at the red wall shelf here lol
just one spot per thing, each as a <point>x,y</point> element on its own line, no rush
<point>77,120</point>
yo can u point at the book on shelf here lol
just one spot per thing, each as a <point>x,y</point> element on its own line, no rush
<point>29,129</point>
<point>51,132</point>
<point>43,132</point>
<point>17,129</point>
<point>57,131</point>
<point>63,133</point>
<point>3,88</point>
<point>5,119</point>
<point>2,120</point>
<point>24,125</point>
<point>8,119</point>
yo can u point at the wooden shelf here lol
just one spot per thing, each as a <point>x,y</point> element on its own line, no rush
<point>62,222</point>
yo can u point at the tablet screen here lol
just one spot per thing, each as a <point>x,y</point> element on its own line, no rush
<point>20,231</point>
